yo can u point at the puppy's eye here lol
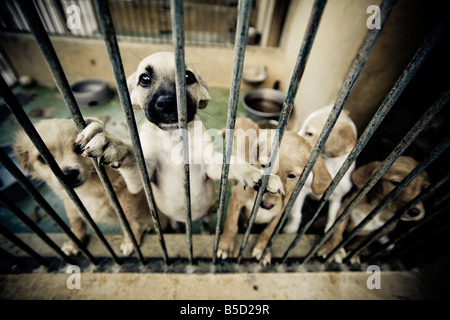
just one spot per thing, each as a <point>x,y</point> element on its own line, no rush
<point>308,134</point>
<point>396,183</point>
<point>291,176</point>
<point>263,166</point>
<point>77,149</point>
<point>144,80</point>
<point>41,159</point>
<point>190,78</point>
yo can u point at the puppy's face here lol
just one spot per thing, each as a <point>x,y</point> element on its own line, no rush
<point>59,135</point>
<point>392,178</point>
<point>152,89</point>
<point>293,154</point>
<point>342,138</point>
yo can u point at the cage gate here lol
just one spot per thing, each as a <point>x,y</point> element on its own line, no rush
<point>436,195</point>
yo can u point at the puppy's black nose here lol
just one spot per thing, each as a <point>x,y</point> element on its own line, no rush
<point>414,212</point>
<point>73,177</point>
<point>166,103</point>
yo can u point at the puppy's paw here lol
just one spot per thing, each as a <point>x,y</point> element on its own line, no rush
<point>253,179</point>
<point>355,260</point>
<point>257,254</point>
<point>290,228</point>
<point>226,248</point>
<point>338,257</point>
<point>70,249</point>
<point>95,142</point>
<point>274,184</point>
<point>126,247</point>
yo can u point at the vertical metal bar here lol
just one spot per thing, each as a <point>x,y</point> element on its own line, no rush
<point>406,181</point>
<point>391,222</point>
<point>64,88</point>
<point>26,124</point>
<point>109,36</point>
<point>176,11</point>
<point>22,245</point>
<point>33,226</point>
<point>28,186</point>
<point>286,110</point>
<point>378,117</point>
<point>238,63</point>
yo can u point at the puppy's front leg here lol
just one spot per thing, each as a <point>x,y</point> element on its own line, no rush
<point>94,141</point>
<point>263,239</point>
<point>226,243</point>
<point>77,226</point>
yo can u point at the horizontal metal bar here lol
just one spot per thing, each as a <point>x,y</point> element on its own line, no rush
<point>109,35</point>
<point>404,183</point>
<point>353,74</point>
<point>61,82</point>
<point>176,12</point>
<point>404,79</point>
<point>33,226</point>
<point>238,63</point>
<point>26,124</point>
<point>22,245</point>
<point>32,191</point>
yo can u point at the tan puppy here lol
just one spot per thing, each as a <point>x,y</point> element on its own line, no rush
<point>292,157</point>
<point>152,89</point>
<point>393,176</point>
<point>341,141</point>
<point>59,135</point>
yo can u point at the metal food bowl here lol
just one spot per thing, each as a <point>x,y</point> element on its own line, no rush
<point>91,93</point>
<point>263,104</point>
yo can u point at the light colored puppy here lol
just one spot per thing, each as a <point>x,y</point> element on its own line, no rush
<point>59,135</point>
<point>341,141</point>
<point>393,176</point>
<point>293,154</point>
<point>152,89</point>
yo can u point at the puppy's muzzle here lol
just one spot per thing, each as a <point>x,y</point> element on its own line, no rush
<point>73,177</point>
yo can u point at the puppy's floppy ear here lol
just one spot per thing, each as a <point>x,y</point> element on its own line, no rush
<point>132,83</point>
<point>361,175</point>
<point>204,92</point>
<point>321,177</point>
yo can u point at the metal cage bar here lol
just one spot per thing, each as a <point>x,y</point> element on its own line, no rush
<point>286,110</point>
<point>15,107</point>
<point>32,191</point>
<point>42,39</point>
<point>109,36</point>
<point>22,245</point>
<point>238,63</point>
<point>34,227</point>
<point>407,75</point>
<point>354,72</point>
<point>176,12</point>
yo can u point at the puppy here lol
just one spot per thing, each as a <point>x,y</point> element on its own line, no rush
<point>341,141</point>
<point>152,90</point>
<point>59,135</point>
<point>293,154</point>
<point>393,176</point>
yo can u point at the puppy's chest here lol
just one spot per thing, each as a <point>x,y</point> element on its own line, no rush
<point>360,213</point>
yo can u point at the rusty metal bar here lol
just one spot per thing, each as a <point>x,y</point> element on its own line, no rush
<point>32,191</point>
<point>398,150</point>
<point>238,63</point>
<point>382,111</point>
<point>33,226</point>
<point>286,110</point>
<point>109,35</point>
<point>176,12</point>
<point>354,72</point>
<point>26,124</point>
<point>45,45</point>
<point>22,245</point>
<point>407,180</point>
